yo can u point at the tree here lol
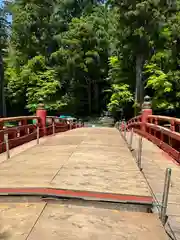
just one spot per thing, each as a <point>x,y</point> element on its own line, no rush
<point>86,56</point>
<point>120,98</point>
<point>36,81</point>
<point>33,28</point>
<point>3,48</point>
<point>37,22</point>
<point>69,39</point>
<point>120,95</point>
<point>139,24</point>
<point>82,59</point>
<point>162,70</point>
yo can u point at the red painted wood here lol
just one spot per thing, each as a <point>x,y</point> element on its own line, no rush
<point>153,129</point>
<point>42,113</point>
<point>25,132</point>
<point>76,194</point>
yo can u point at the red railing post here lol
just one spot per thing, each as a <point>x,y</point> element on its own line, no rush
<point>42,113</point>
<point>146,111</point>
<point>156,121</point>
<point>24,131</point>
<point>172,125</point>
<point>144,118</point>
<point>172,128</point>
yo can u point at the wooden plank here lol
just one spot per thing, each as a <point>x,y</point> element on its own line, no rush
<point>76,194</point>
<point>30,219</point>
<point>70,222</point>
<point>154,163</point>
<point>84,159</point>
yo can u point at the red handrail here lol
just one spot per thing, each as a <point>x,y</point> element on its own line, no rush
<point>162,130</point>
<point>25,130</point>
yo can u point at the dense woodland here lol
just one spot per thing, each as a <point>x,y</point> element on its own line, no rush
<point>87,56</point>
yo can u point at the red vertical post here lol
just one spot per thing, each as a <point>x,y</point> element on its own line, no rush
<point>172,125</point>
<point>1,125</point>
<point>146,111</point>
<point>24,131</point>
<point>172,128</point>
<point>144,118</point>
<point>42,113</point>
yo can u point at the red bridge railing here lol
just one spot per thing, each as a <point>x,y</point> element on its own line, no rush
<point>161,130</point>
<point>24,129</point>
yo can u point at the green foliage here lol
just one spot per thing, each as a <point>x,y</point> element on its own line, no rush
<point>158,81</point>
<point>81,59</point>
<point>86,56</point>
<point>162,70</point>
<point>121,96</point>
<point>58,53</point>
<point>115,69</point>
<point>4,28</point>
<point>35,81</point>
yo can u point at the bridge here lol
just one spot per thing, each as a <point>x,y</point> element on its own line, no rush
<point>63,180</point>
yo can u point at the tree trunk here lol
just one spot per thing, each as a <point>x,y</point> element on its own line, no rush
<point>139,84</point>
<point>2,94</point>
<point>89,97</point>
<point>96,97</point>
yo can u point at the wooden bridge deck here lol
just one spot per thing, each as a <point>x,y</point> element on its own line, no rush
<point>154,164</point>
<point>92,162</point>
<point>33,219</point>
<point>83,159</point>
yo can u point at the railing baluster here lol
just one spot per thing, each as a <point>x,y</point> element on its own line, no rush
<point>165,196</point>
<point>53,125</point>
<point>7,145</point>
<point>131,138</point>
<point>37,134</point>
<point>139,158</point>
<point>172,125</point>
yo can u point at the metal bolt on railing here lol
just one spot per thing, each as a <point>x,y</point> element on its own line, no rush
<point>167,180</point>
<point>7,146</point>
<point>139,157</point>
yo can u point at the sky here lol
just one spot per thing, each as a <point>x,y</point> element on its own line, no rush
<point>9,17</point>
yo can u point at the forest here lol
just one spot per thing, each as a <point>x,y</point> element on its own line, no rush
<point>84,57</point>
